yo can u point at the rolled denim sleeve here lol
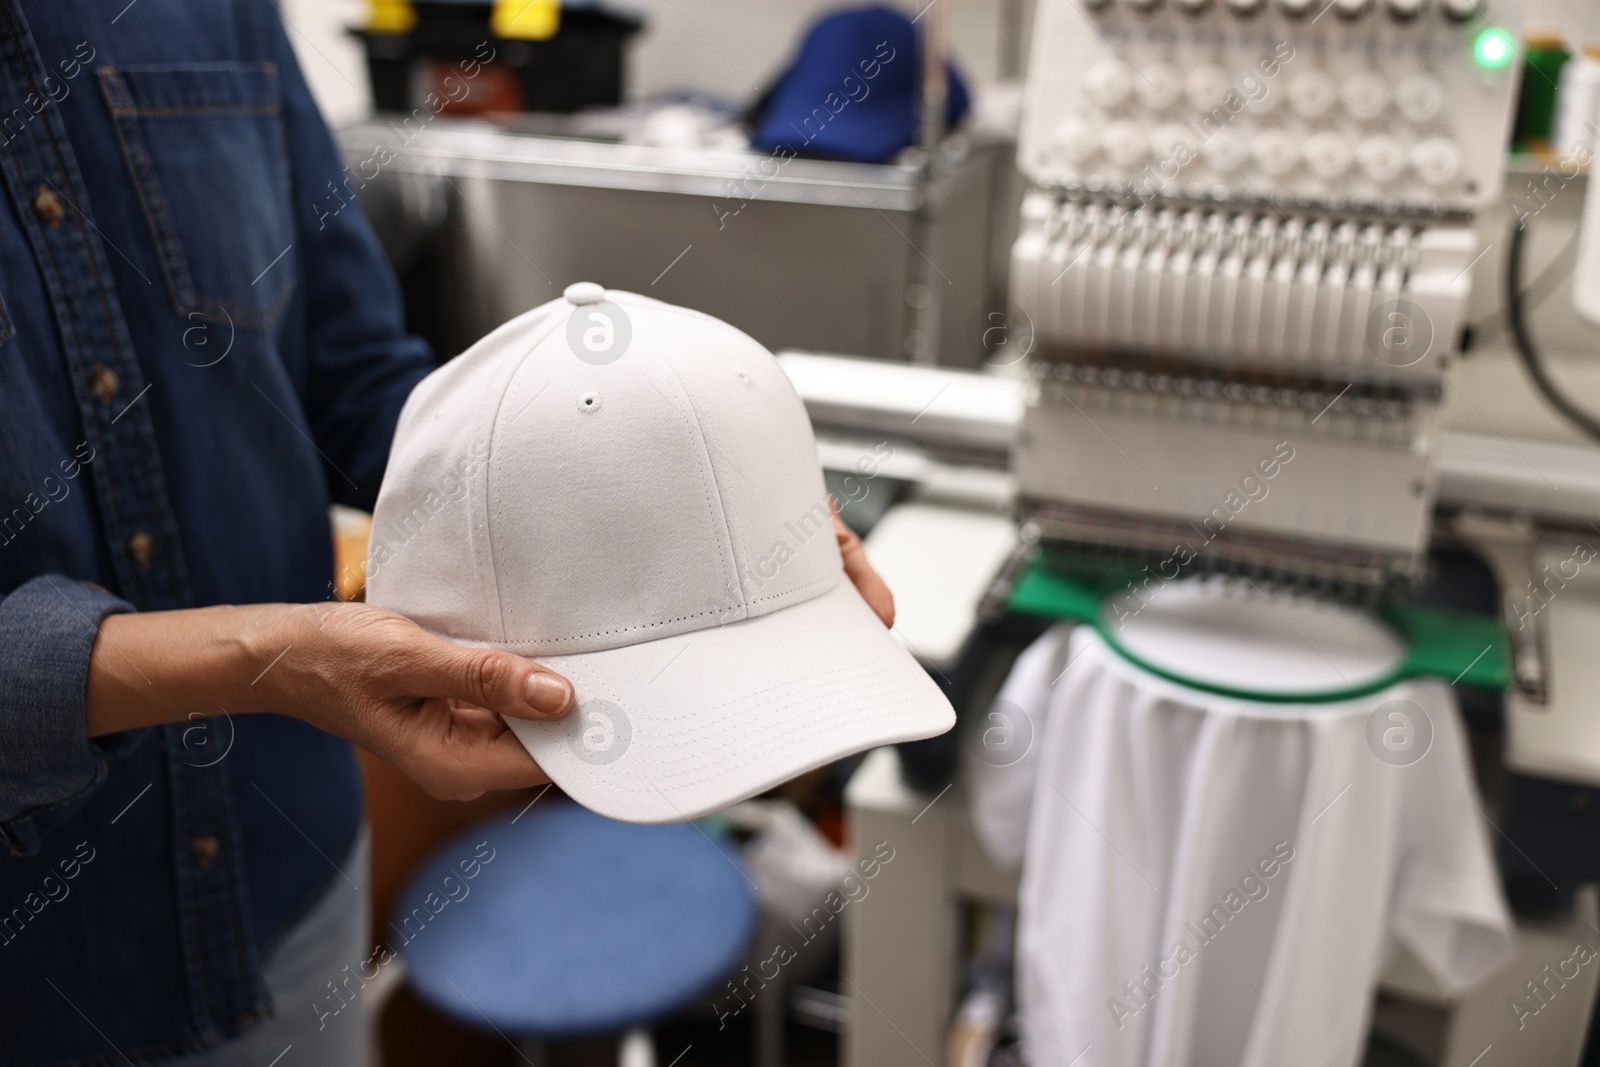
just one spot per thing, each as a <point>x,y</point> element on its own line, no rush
<point>48,763</point>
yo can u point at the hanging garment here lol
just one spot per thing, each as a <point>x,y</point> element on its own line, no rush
<point>1213,882</point>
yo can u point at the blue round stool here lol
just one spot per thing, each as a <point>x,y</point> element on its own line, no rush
<point>558,922</point>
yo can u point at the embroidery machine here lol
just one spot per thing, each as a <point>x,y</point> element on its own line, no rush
<point>1246,246</point>
<point>1250,224</point>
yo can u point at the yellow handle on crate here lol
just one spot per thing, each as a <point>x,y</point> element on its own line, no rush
<point>390,16</point>
<point>526,20</point>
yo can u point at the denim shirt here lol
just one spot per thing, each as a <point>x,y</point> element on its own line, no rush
<point>196,357</point>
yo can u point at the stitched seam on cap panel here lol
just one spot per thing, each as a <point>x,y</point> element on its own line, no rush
<point>709,463</point>
<point>640,300</point>
<point>630,629</point>
<point>830,578</point>
<point>651,301</point>
<point>811,437</point>
<point>719,323</point>
<point>490,517</point>
<point>519,646</point>
<point>742,564</point>
<point>713,454</point>
<point>513,646</point>
<point>706,466</point>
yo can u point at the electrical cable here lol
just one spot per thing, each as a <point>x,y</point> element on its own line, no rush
<point>1538,289</point>
<point>1527,350</point>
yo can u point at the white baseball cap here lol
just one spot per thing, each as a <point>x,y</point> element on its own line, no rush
<point>629,492</point>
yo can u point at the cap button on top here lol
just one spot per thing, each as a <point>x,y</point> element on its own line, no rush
<point>584,293</point>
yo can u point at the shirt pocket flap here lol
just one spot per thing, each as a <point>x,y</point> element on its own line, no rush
<point>206,148</point>
<point>155,90</point>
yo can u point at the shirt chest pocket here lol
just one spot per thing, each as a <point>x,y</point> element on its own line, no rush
<point>204,144</point>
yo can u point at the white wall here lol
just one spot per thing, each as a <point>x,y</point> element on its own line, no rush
<point>1577,21</point>
<point>331,58</point>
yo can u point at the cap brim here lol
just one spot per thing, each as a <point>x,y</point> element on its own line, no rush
<point>677,728</point>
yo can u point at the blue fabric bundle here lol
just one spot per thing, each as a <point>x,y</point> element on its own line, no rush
<point>853,91</point>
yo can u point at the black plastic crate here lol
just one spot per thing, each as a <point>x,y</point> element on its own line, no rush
<point>581,66</point>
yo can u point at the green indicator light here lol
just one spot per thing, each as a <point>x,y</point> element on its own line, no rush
<point>1493,48</point>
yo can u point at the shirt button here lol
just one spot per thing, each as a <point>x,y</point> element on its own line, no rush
<point>205,849</point>
<point>103,382</point>
<point>141,546</point>
<point>49,206</point>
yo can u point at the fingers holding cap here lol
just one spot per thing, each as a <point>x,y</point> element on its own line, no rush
<point>501,681</point>
<point>499,764</point>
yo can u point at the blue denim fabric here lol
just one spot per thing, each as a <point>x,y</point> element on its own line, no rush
<point>196,357</point>
<point>330,944</point>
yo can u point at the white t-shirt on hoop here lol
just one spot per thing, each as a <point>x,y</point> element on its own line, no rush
<point>1213,882</point>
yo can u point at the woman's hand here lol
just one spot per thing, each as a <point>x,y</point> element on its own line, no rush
<point>872,588</point>
<point>430,708</point>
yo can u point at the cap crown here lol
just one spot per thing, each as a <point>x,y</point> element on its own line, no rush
<point>549,498</point>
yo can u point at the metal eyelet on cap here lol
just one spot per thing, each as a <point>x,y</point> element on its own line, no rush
<point>589,403</point>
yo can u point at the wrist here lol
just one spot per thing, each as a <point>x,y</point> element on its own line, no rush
<point>153,667</point>
<point>255,643</point>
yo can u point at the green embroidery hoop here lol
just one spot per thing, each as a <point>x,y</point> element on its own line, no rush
<point>1459,647</point>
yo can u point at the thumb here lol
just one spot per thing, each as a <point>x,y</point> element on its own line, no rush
<point>504,683</point>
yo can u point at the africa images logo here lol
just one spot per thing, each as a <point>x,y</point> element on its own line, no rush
<point>1399,732</point>
<point>603,732</point>
<point>599,333</point>
<point>1007,736</point>
<point>1399,333</point>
